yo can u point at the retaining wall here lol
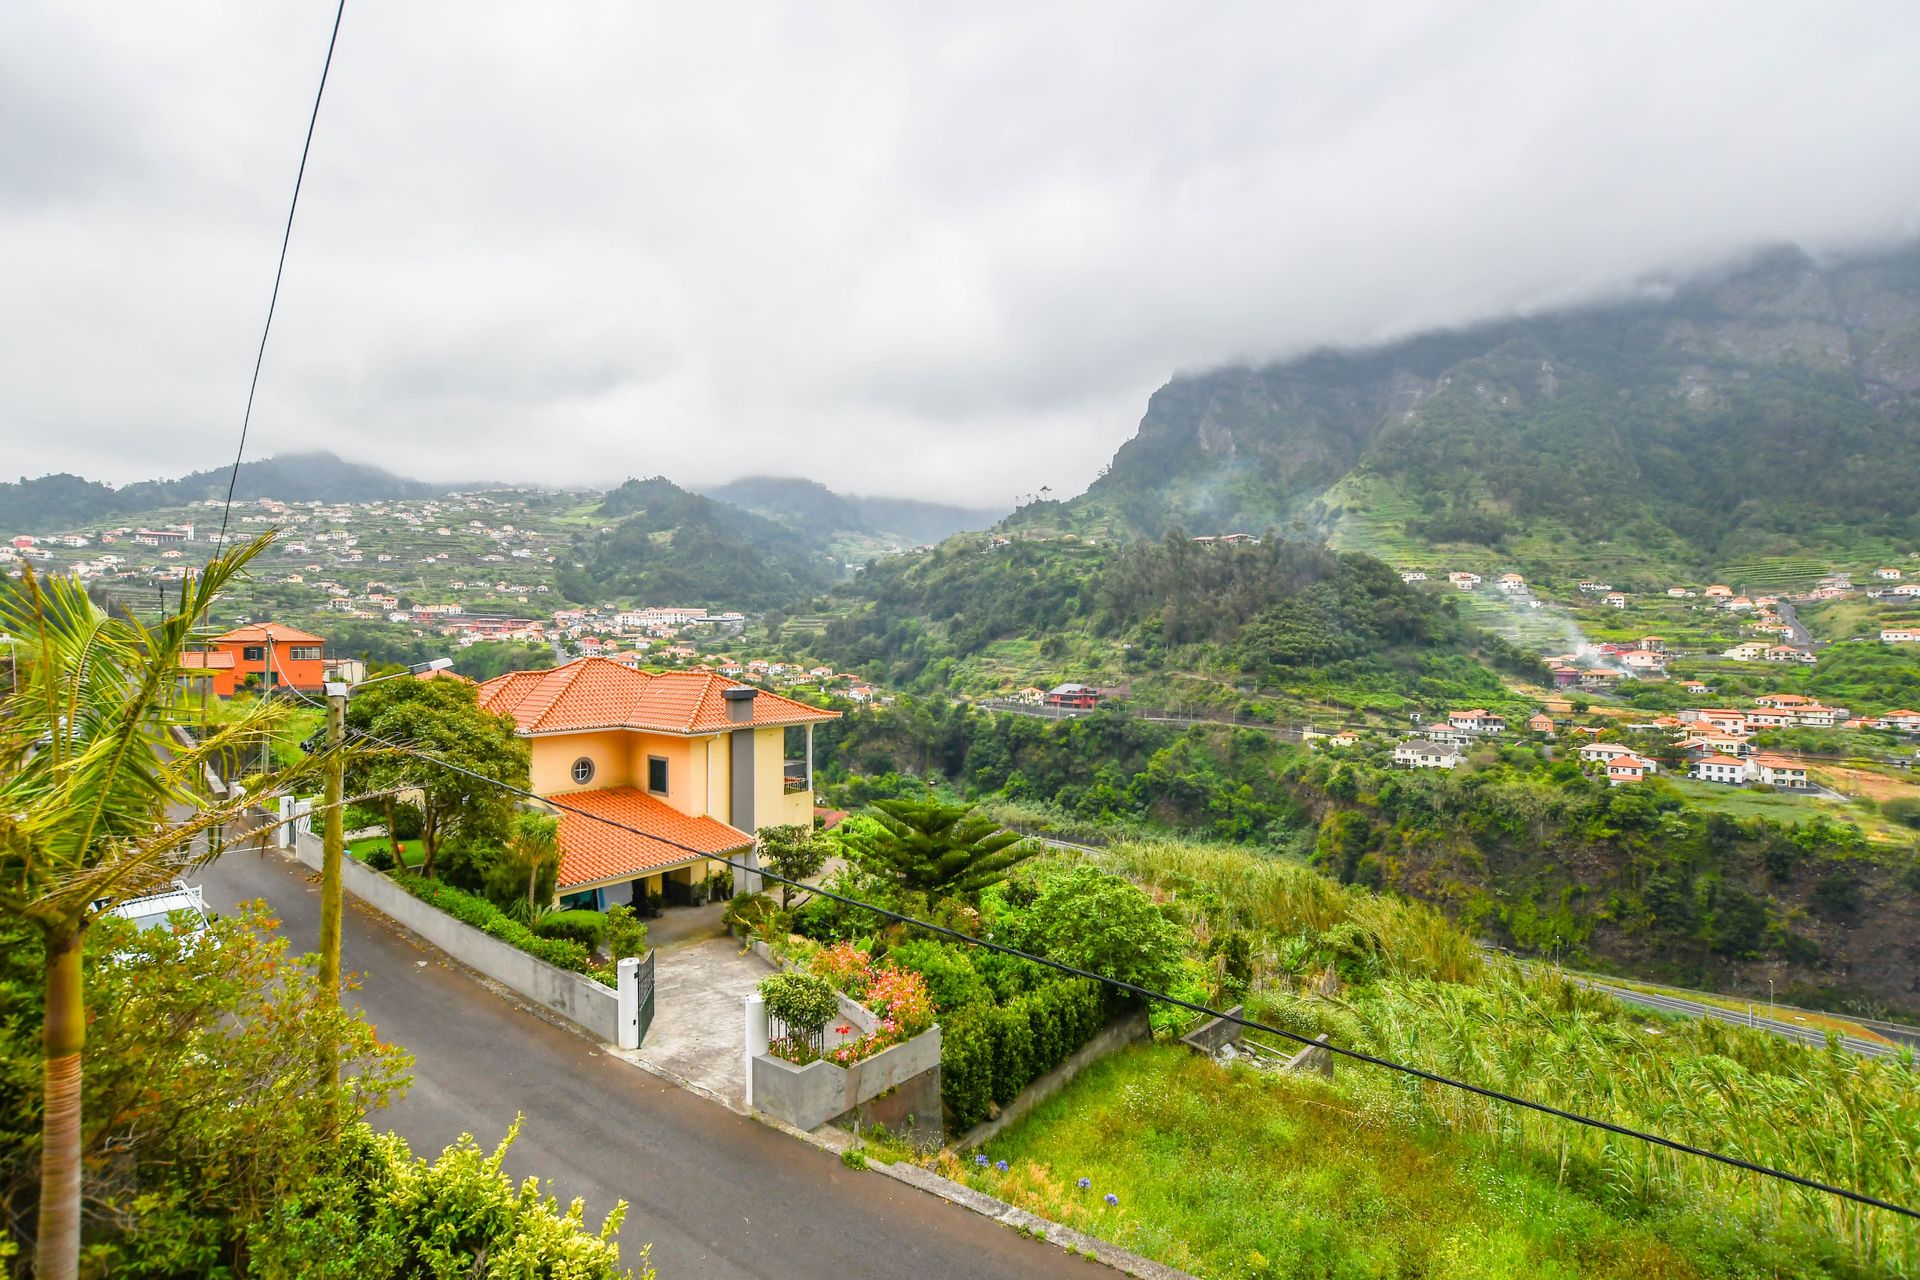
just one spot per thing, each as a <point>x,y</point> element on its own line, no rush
<point>1118,1034</point>
<point>578,999</point>
<point>810,1096</point>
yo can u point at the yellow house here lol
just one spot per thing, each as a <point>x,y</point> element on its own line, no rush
<point>687,764</point>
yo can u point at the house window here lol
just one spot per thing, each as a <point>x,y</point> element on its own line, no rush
<point>656,775</point>
<point>583,770</point>
<point>305,652</point>
<point>254,653</point>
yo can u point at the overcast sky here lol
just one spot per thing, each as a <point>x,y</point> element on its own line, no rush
<point>939,250</point>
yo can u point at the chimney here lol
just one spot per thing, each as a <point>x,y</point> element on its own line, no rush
<point>739,703</point>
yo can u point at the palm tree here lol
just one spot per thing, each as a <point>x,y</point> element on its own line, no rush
<point>89,768</point>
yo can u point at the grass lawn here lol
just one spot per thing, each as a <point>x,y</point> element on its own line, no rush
<point>1742,803</point>
<point>415,852</point>
<point>1229,1172</point>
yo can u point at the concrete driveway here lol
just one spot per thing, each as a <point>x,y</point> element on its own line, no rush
<point>718,1195</point>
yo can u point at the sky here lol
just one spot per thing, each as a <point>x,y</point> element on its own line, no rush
<point>941,251</point>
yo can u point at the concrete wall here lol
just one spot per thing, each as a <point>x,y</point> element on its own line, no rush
<point>1215,1033</point>
<point>810,1096</point>
<point>580,1000</point>
<point>1130,1028</point>
<point>769,778</point>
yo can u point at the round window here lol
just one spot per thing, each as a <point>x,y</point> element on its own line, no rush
<point>583,770</point>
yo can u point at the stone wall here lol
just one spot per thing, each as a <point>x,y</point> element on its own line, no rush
<point>578,999</point>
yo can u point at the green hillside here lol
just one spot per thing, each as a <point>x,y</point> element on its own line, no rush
<point>661,543</point>
<point>56,502</point>
<point>814,509</point>
<point>1766,417</point>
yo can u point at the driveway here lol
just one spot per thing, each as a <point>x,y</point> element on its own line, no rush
<point>717,1194</point>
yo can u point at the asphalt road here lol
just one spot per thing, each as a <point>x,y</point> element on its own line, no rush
<point>1694,1008</point>
<point>717,1194</point>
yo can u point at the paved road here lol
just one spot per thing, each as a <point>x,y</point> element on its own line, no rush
<point>1797,630</point>
<point>717,1194</point>
<point>1694,1008</point>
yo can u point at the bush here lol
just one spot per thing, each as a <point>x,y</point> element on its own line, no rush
<point>490,920</point>
<point>804,1001</point>
<point>582,926</point>
<point>989,1053</point>
<point>757,914</point>
<point>379,860</point>
<point>952,980</point>
<point>408,821</point>
<point>626,934</point>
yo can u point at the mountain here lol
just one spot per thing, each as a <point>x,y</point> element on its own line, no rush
<point>1762,409</point>
<point>61,501</point>
<point>810,506</point>
<point>665,544</point>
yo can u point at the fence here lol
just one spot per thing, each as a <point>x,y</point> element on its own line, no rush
<point>618,1016</point>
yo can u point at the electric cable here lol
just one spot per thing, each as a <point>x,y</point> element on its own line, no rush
<point>1163,997</point>
<point>273,301</point>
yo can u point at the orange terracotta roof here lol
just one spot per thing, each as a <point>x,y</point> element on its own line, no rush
<point>592,851</point>
<point>258,631</point>
<point>221,660</point>
<point>596,693</point>
<point>1727,761</point>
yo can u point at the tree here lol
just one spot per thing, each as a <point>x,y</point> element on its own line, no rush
<point>521,880</point>
<point>202,1106</point>
<point>89,766</point>
<point>795,852</point>
<point>1097,921</point>
<point>440,720</point>
<point>930,847</point>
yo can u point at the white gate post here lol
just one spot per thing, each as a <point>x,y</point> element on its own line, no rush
<point>756,1036</point>
<point>286,832</point>
<point>627,984</point>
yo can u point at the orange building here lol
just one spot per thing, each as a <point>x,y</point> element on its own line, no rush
<point>263,655</point>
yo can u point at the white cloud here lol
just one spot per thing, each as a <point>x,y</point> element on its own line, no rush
<point>919,249</point>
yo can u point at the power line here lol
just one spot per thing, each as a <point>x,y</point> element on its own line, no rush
<point>286,237</point>
<point>1146,993</point>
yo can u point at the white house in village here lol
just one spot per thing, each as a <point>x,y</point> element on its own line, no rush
<point>1424,753</point>
<point>1720,769</point>
<point>1464,581</point>
<point>1899,635</point>
<point>1412,575</point>
<point>1476,721</point>
<point>1511,583</point>
<point>1746,651</point>
<point>1888,574</point>
<point>1601,752</point>
<point>1629,768</point>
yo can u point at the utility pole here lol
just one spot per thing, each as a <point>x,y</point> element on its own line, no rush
<point>333,850</point>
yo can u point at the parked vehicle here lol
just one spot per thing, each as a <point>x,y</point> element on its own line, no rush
<point>183,907</point>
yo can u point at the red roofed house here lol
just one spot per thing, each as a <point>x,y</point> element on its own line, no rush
<point>689,765</point>
<point>264,654</point>
<point>1627,768</point>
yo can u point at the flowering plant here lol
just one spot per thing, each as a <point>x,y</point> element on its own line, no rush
<point>846,967</point>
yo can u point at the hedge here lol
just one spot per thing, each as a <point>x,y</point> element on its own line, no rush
<point>582,926</point>
<point>493,922</point>
<point>989,1053</point>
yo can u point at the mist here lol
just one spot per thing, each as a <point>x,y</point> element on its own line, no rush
<point>902,249</point>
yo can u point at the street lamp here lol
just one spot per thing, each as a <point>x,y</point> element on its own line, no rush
<point>333,839</point>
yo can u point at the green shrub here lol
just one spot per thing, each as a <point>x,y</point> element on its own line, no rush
<point>408,821</point>
<point>989,1053</point>
<point>757,913</point>
<point>626,934</point>
<point>379,860</point>
<point>582,926</point>
<point>358,817</point>
<point>490,920</point>
<point>804,1001</point>
<point>952,980</point>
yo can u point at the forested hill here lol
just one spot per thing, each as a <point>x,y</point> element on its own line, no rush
<point>1765,409</point>
<point>810,506</point>
<point>1286,617</point>
<point>63,501</point>
<point>661,543</point>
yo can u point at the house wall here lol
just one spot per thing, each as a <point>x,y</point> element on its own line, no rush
<point>718,758</point>
<point>769,765</point>
<point>551,770</point>
<point>683,792</point>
